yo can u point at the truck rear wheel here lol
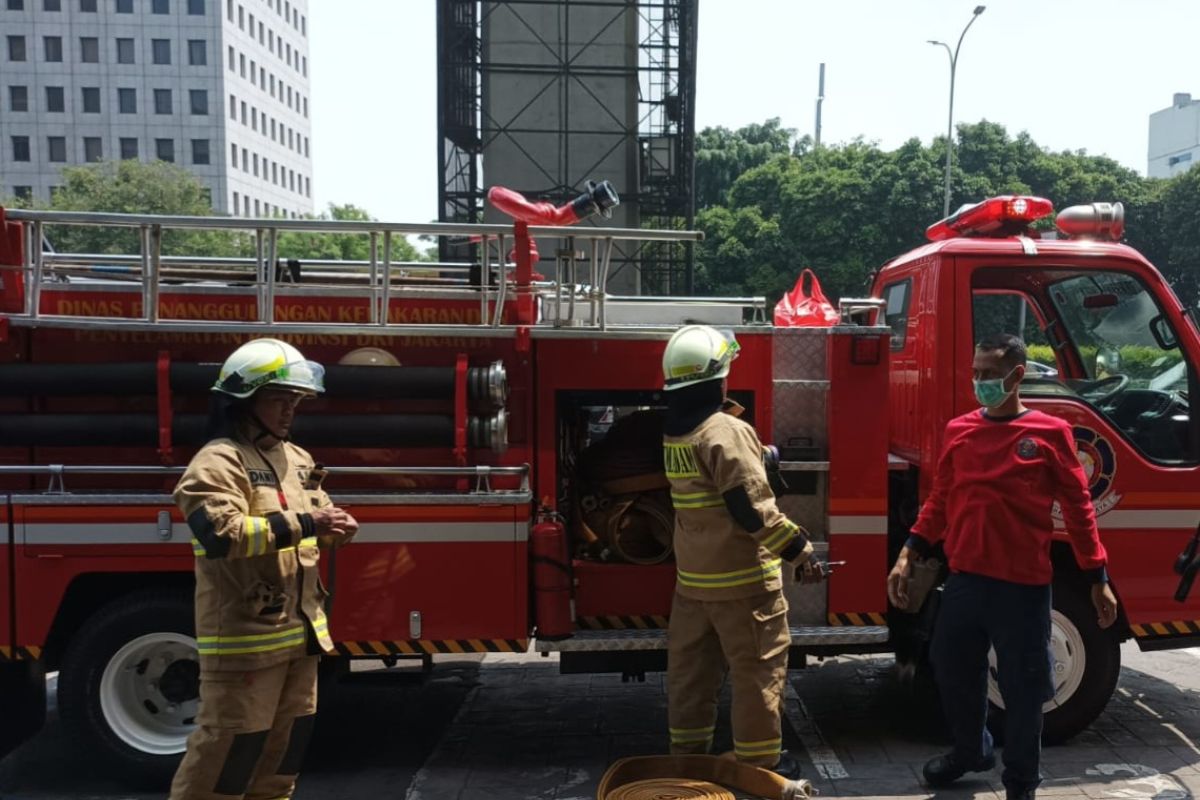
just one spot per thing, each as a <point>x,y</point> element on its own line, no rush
<point>129,685</point>
<point>1087,663</point>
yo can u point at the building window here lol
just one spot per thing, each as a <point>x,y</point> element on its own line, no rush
<point>200,151</point>
<point>272,84</point>
<point>129,148</point>
<point>162,101</point>
<point>303,25</point>
<point>233,155</point>
<point>161,51</point>
<point>253,71</point>
<point>292,179</point>
<point>1179,159</point>
<point>57,145</point>
<point>51,5</point>
<point>233,108</point>
<point>245,160</point>
<point>87,6</point>
<point>241,17</point>
<point>20,148</point>
<point>196,8</point>
<point>93,150</point>
<point>257,211</point>
<point>275,172</point>
<point>160,7</point>
<point>199,101</point>
<point>164,149</point>
<point>52,48</point>
<point>55,99</point>
<point>306,147</point>
<point>307,187</point>
<point>242,63</point>
<point>16,48</point>
<point>232,60</point>
<point>229,10</point>
<point>16,5</point>
<point>289,96</point>
<point>18,98</point>
<point>306,108</point>
<point>254,119</point>
<point>23,193</point>
<point>236,203</point>
<point>197,52</point>
<point>89,49</point>
<point>127,100</point>
<point>262,39</point>
<point>125,51</point>
<point>272,129</point>
<point>91,99</point>
<point>124,6</point>
<point>243,112</point>
<point>291,144</point>
<point>255,165</point>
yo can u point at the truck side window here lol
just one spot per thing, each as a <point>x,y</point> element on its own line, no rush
<point>895,314</point>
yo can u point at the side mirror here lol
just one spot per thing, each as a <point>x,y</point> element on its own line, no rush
<point>1163,335</point>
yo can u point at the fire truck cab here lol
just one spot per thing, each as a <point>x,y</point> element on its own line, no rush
<point>503,451</point>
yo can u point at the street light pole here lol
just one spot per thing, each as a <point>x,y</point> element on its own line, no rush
<point>950,124</point>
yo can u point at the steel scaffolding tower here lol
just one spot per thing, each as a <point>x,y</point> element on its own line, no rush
<point>542,95</point>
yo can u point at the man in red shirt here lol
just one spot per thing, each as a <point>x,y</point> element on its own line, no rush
<point>1000,472</point>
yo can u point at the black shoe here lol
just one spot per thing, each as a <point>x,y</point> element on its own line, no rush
<point>945,770</point>
<point>787,767</point>
<point>1011,793</point>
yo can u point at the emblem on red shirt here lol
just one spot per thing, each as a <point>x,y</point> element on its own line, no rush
<point>1027,448</point>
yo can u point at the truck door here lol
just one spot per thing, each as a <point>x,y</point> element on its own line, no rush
<point>1105,354</point>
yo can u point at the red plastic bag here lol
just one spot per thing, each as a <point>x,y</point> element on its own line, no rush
<point>800,309</point>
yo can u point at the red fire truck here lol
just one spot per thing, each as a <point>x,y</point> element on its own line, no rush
<point>496,435</point>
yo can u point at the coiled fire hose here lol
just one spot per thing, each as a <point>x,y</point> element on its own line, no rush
<point>695,777</point>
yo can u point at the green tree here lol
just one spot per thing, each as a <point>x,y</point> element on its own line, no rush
<point>1180,224</point>
<point>722,155</point>
<point>133,187</point>
<point>342,246</point>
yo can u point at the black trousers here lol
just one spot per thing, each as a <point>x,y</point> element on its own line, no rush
<point>1014,619</point>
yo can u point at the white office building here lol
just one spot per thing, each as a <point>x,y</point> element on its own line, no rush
<point>1175,138</point>
<point>218,86</point>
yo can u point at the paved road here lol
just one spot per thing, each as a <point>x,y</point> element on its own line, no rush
<point>511,727</point>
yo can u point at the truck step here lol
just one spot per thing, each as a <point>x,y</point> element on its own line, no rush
<point>640,639</point>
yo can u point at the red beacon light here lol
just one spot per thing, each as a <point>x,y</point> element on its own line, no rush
<point>1104,221</point>
<point>996,216</point>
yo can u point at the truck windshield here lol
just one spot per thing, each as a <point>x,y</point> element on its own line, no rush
<point>1119,332</point>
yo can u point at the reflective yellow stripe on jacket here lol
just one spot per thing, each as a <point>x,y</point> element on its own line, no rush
<point>691,735</point>
<point>256,536</point>
<point>254,643</point>
<point>697,500</point>
<point>781,536</point>
<point>680,461</point>
<point>723,580</point>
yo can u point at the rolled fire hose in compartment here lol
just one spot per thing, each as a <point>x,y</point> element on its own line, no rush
<point>487,387</point>
<point>318,430</point>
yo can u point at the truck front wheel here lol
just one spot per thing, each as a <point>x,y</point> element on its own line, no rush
<point>1087,663</point>
<point>129,682</point>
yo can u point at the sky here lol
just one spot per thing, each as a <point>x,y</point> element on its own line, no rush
<point>1075,74</point>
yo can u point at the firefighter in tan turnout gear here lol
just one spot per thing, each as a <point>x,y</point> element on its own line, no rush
<point>258,514</point>
<point>731,546</point>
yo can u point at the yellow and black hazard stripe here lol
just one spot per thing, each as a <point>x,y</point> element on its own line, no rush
<point>27,653</point>
<point>623,622</point>
<point>432,647</point>
<point>862,618</point>
<point>1166,630</point>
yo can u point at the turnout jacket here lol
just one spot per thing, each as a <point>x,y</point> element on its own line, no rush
<point>259,598</point>
<point>731,539</point>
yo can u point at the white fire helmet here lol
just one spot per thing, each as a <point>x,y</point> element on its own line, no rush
<point>268,362</point>
<point>697,353</point>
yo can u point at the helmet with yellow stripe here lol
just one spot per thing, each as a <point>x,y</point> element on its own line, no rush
<point>695,354</point>
<point>268,362</point>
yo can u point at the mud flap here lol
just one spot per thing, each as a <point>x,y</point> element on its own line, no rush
<point>23,698</point>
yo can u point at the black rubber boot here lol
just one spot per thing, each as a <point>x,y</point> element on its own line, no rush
<point>945,770</point>
<point>1013,793</point>
<point>787,767</point>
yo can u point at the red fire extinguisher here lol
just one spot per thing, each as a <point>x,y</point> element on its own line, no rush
<point>551,578</point>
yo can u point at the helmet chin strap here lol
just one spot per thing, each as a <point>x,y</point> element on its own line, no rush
<point>264,431</point>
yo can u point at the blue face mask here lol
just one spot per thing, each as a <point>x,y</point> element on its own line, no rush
<point>991,393</point>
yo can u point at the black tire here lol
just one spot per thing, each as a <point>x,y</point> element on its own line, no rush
<point>1069,715</point>
<point>159,613</point>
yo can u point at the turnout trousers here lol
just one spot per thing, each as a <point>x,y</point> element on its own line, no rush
<point>749,639</point>
<point>253,730</point>
<point>977,612</point>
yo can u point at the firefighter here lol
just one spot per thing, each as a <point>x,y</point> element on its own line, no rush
<point>258,514</point>
<point>731,542</point>
<point>1002,468</point>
